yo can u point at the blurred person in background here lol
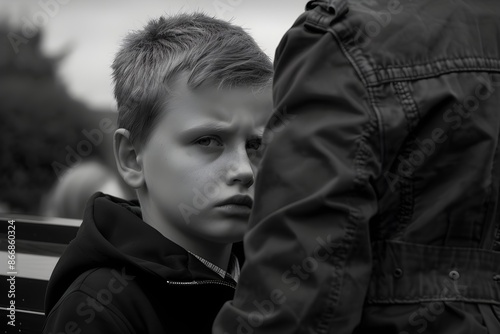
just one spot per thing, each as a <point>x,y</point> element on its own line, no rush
<point>71,193</point>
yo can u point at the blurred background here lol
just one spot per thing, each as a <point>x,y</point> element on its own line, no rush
<point>57,111</point>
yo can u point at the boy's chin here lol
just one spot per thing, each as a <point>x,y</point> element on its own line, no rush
<point>226,239</point>
<point>221,231</point>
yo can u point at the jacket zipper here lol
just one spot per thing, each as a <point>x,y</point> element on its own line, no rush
<point>202,282</point>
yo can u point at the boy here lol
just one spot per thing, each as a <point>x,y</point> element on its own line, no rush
<point>193,94</point>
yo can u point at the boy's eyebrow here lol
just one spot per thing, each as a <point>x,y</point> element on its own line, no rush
<point>258,134</point>
<point>216,127</point>
<point>203,127</point>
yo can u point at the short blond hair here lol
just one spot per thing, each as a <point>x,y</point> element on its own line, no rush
<point>210,51</point>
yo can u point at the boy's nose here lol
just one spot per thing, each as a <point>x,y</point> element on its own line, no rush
<point>240,170</point>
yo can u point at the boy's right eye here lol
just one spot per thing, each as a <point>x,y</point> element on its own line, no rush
<point>209,142</point>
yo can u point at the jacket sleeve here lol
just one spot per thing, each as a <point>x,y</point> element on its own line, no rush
<point>80,313</point>
<point>308,255</point>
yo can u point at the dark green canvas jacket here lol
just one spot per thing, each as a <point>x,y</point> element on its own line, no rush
<point>377,201</point>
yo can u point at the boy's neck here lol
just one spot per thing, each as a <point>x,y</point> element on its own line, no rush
<point>216,253</point>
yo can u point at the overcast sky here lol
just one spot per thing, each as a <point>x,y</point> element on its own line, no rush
<point>91,31</point>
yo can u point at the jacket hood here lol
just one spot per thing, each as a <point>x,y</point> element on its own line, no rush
<point>114,235</point>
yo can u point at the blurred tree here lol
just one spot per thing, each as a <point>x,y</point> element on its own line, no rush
<point>40,123</point>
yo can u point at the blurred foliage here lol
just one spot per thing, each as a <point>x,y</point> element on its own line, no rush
<point>38,120</point>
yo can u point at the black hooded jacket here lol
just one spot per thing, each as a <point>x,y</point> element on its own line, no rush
<point>119,275</point>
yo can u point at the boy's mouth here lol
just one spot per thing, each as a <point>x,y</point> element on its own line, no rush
<point>236,200</point>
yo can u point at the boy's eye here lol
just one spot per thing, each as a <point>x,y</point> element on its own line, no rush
<point>254,144</point>
<point>208,142</point>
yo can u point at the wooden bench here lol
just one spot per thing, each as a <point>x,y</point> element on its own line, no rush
<point>39,244</point>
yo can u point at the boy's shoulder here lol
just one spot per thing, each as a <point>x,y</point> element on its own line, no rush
<point>110,299</point>
<point>94,301</point>
<point>118,300</point>
<point>103,284</point>
<point>102,279</point>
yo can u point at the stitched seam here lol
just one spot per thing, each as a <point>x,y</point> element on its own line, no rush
<point>356,58</point>
<point>379,123</point>
<point>338,261</point>
<point>407,200</point>
<point>438,61</point>
<point>496,230</point>
<point>430,299</point>
<point>371,96</point>
<point>353,53</point>
<point>444,63</point>
<point>361,180</point>
<point>408,104</point>
<point>363,153</point>
<point>432,73</point>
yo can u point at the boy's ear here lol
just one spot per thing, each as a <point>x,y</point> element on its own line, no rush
<point>127,161</point>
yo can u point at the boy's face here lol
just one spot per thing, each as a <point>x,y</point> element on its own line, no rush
<point>201,159</point>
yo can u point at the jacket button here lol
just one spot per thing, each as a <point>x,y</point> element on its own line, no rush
<point>496,277</point>
<point>398,272</point>
<point>454,275</point>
